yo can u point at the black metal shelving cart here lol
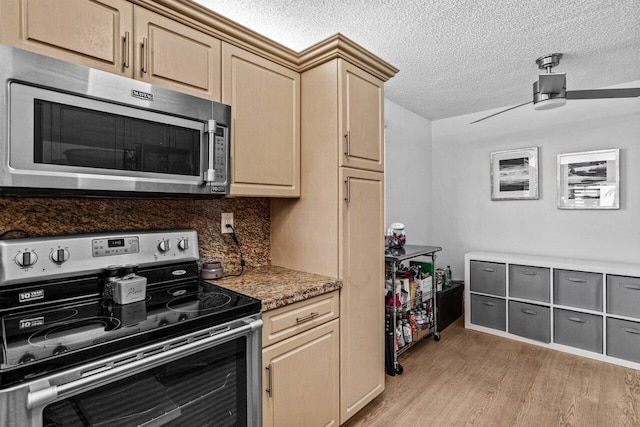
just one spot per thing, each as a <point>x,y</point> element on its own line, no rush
<point>394,259</point>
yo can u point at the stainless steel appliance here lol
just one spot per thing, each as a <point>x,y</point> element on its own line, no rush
<point>190,354</point>
<point>71,130</point>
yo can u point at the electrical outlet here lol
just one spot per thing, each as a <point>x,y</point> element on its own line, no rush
<point>227,218</point>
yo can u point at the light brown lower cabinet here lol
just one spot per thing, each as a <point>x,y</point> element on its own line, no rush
<point>300,379</point>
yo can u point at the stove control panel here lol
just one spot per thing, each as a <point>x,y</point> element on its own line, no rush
<point>116,246</point>
<point>44,258</point>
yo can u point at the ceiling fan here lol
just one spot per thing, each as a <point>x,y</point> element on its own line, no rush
<point>550,91</point>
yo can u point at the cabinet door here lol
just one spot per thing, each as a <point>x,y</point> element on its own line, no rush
<point>176,56</point>
<point>300,379</point>
<point>362,119</point>
<point>361,296</point>
<point>265,135</point>
<point>94,33</point>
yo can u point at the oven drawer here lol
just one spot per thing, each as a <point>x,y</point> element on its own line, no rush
<point>489,312</point>
<point>530,321</point>
<point>580,330</point>
<point>529,282</point>
<point>292,319</point>
<point>578,289</point>
<point>487,278</point>
<point>623,295</point>
<point>623,339</point>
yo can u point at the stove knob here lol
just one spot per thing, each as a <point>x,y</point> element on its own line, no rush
<point>59,256</point>
<point>26,259</point>
<point>183,244</point>
<point>164,245</point>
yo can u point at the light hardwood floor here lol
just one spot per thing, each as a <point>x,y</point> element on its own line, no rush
<point>473,378</point>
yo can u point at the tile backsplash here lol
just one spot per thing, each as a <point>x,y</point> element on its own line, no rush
<point>43,216</point>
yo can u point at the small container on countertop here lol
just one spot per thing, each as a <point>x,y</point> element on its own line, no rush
<point>211,270</point>
<point>130,288</point>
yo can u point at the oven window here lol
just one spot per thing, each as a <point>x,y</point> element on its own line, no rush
<point>207,388</point>
<point>74,136</point>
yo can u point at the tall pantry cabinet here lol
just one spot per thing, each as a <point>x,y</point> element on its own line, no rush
<point>338,221</point>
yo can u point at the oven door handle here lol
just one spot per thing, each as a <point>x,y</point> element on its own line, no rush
<point>112,371</point>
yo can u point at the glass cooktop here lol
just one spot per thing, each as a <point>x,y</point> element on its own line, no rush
<point>55,337</point>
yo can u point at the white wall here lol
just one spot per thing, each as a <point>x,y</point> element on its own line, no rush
<point>408,172</point>
<point>466,219</point>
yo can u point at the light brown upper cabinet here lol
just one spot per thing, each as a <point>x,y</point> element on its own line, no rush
<point>265,133</point>
<point>175,56</point>
<point>362,119</point>
<point>94,33</point>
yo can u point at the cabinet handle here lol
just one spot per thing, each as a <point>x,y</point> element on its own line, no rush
<point>348,182</point>
<point>126,50</point>
<point>309,317</point>
<point>348,137</point>
<point>631,286</point>
<point>144,55</point>
<point>490,304</point>
<point>489,270</point>
<point>631,331</point>
<point>577,319</point>
<point>269,388</point>
<point>576,280</point>
<point>527,311</point>
<point>530,273</point>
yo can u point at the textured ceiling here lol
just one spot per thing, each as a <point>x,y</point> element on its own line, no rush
<point>462,56</point>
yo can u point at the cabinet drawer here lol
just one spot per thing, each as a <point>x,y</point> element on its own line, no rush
<point>623,339</point>
<point>487,278</point>
<point>623,295</point>
<point>292,319</point>
<point>578,289</point>
<point>530,321</point>
<point>580,330</point>
<point>529,282</point>
<point>488,311</point>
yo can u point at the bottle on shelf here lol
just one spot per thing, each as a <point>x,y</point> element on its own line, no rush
<point>447,281</point>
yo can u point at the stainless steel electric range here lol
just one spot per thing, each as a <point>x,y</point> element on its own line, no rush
<point>188,353</point>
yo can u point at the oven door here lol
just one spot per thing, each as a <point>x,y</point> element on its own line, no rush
<point>71,142</point>
<point>210,377</point>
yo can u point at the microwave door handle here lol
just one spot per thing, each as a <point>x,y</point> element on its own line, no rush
<point>210,173</point>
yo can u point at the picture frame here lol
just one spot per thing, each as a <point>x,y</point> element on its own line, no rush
<point>514,174</point>
<point>589,180</point>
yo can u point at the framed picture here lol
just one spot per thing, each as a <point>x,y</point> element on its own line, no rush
<point>589,180</point>
<point>514,174</point>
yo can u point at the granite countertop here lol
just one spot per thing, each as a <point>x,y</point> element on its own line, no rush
<point>278,286</point>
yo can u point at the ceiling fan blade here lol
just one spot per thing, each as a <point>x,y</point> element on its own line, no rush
<point>500,112</point>
<point>630,92</point>
<point>552,83</point>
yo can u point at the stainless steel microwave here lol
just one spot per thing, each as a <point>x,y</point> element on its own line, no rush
<point>71,130</point>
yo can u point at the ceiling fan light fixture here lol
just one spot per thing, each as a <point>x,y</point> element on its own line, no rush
<point>549,104</point>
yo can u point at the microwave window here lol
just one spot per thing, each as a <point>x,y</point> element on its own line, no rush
<point>74,136</point>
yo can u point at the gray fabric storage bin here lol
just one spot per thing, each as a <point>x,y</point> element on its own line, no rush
<point>530,321</point>
<point>529,282</point>
<point>623,295</point>
<point>489,312</point>
<point>488,278</point>
<point>580,330</point>
<point>623,339</point>
<point>578,289</point>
